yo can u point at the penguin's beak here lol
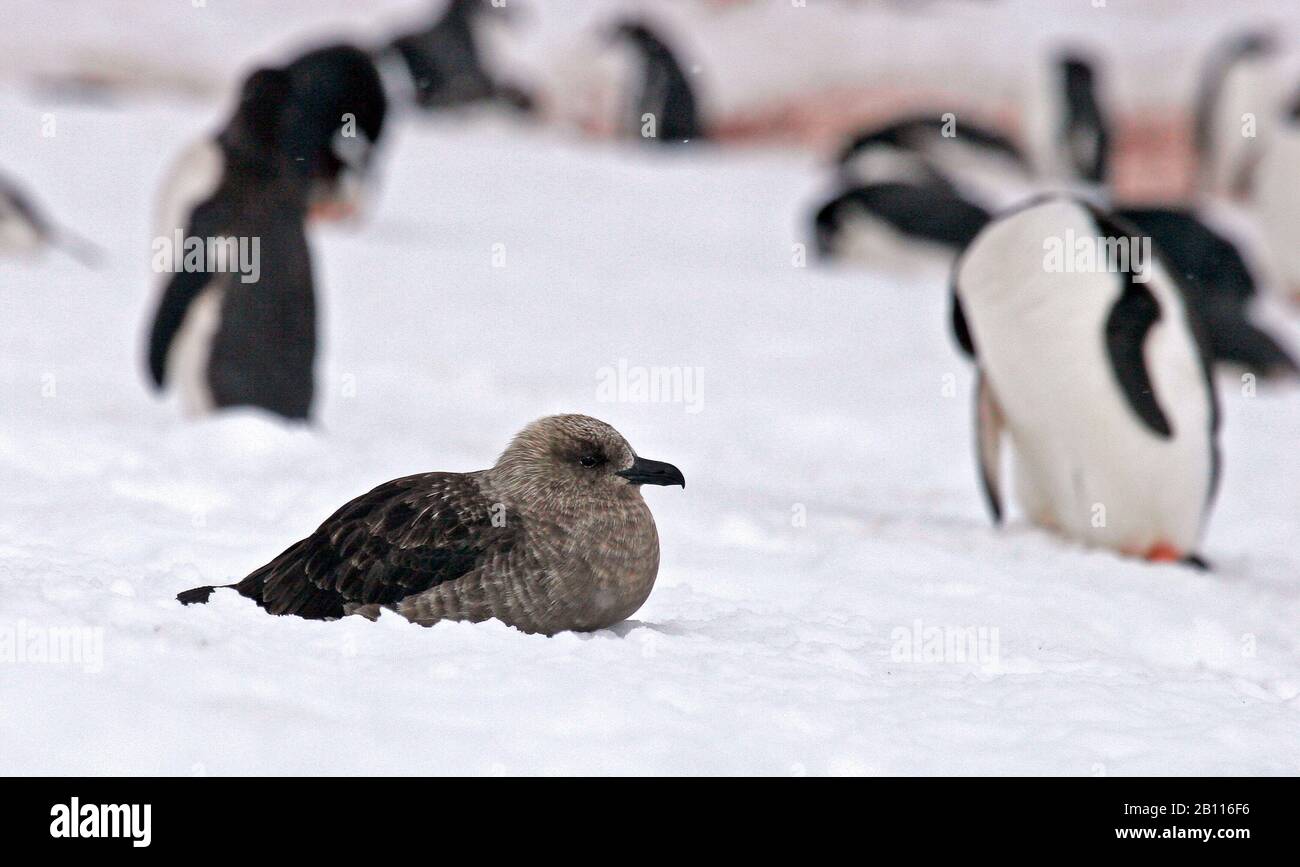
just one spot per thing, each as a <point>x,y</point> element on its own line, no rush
<point>647,472</point>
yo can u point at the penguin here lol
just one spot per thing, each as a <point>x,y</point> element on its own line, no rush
<point>1236,81</point>
<point>916,190</point>
<point>1098,378</point>
<point>663,106</point>
<point>445,61</point>
<point>24,229</point>
<point>1220,287</point>
<point>217,337</point>
<point>1068,125</point>
<point>340,94</point>
<point>981,163</point>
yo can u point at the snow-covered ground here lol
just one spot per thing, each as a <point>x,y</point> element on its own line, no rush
<point>831,524</point>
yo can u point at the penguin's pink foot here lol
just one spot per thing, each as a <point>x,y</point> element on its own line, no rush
<point>1163,552</point>
<point>331,211</point>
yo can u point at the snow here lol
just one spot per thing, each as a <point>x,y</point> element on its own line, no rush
<point>832,516</point>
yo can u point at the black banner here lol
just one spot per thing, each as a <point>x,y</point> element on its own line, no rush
<point>233,815</point>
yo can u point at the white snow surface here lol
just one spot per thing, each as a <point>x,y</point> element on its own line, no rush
<point>769,645</point>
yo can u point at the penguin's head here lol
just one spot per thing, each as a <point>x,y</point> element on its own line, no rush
<point>337,120</point>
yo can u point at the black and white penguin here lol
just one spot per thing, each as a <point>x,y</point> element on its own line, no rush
<point>982,164</point>
<point>343,108</point>
<point>1220,286</point>
<point>219,338</point>
<point>1099,378</point>
<point>1237,83</point>
<point>25,230</point>
<point>916,191</point>
<point>662,106</point>
<point>1067,125</point>
<point>446,61</point>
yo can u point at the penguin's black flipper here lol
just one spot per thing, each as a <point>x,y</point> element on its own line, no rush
<point>1126,332</point>
<point>1235,339</point>
<point>184,286</point>
<point>988,441</point>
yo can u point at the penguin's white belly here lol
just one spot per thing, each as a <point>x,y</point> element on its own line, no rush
<point>191,180</point>
<point>1084,463</point>
<point>191,350</point>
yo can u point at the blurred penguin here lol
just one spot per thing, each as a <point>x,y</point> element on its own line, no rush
<point>447,61</point>
<point>222,337</point>
<point>982,164</point>
<point>1068,127</point>
<point>1236,101</point>
<point>662,105</point>
<point>916,191</point>
<point>25,230</point>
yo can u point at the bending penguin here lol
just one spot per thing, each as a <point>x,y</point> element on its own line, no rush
<point>981,163</point>
<point>1099,380</point>
<point>915,189</point>
<point>224,338</point>
<point>663,107</point>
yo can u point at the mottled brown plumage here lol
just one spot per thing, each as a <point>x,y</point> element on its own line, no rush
<point>555,536</point>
